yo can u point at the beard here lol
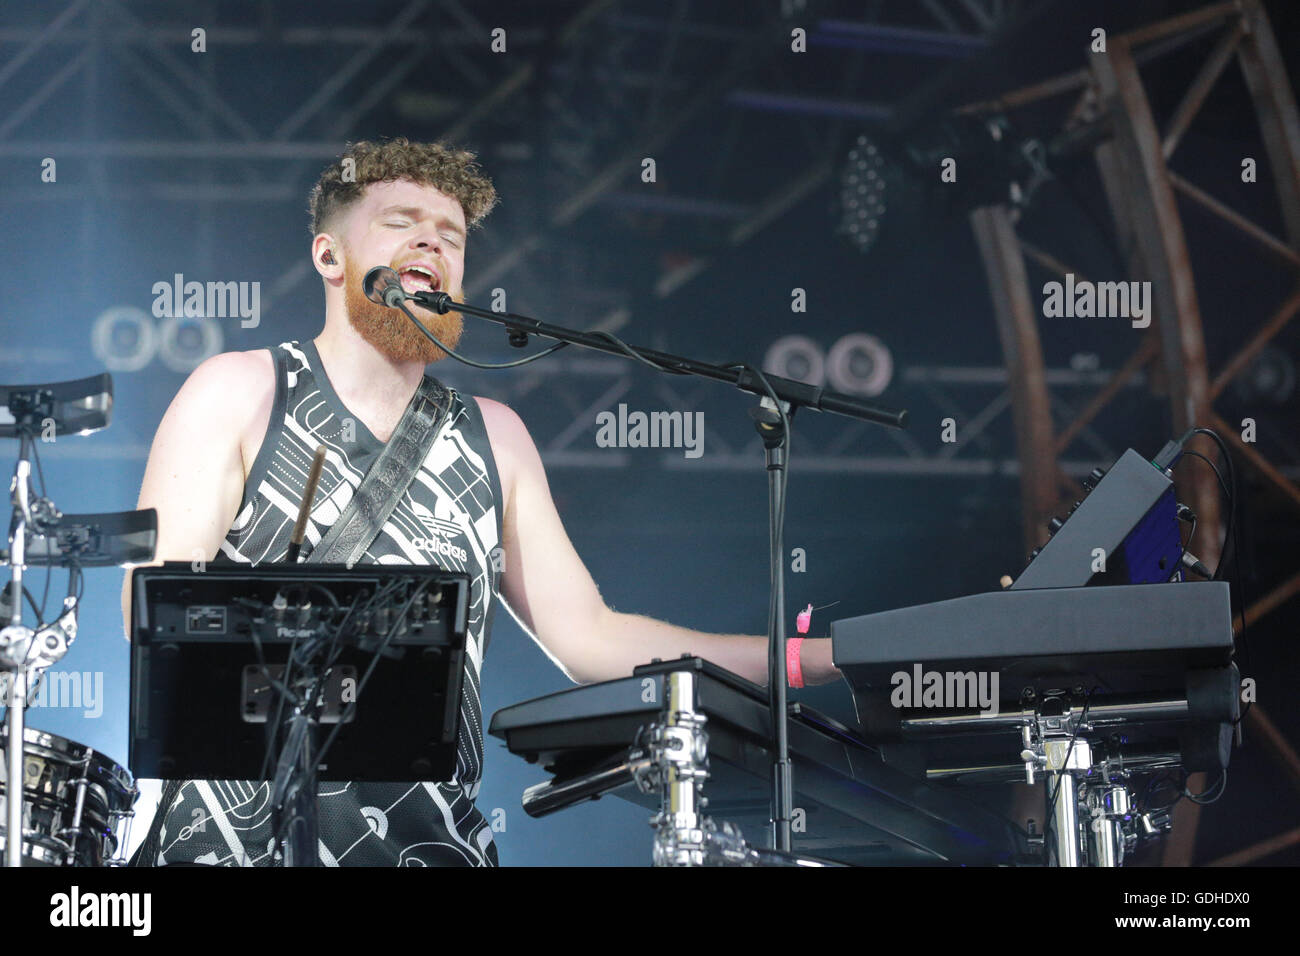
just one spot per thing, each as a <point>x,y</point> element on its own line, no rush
<point>391,332</point>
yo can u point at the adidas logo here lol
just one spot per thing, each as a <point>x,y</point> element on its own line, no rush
<point>439,530</point>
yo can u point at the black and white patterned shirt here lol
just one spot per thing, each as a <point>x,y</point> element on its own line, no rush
<point>448,518</point>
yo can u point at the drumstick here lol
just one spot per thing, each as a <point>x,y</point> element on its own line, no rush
<point>308,496</point>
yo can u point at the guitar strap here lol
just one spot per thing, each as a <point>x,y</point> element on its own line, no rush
<point>387,480</point>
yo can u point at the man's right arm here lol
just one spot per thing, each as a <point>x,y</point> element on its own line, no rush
<point>195,474</point>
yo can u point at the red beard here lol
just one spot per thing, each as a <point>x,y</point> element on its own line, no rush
<point>391,332</point>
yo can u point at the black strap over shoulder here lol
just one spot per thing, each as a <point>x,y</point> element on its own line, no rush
<point>388,478</point>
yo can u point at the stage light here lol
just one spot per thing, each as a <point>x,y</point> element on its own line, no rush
<point>797,357</point>
<point>902,187</point>
<point>862,193</point>
<point>857,363</point>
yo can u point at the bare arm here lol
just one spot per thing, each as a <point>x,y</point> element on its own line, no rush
<point>195,474</point>
<point>632,639</point>
<point>547,584</point>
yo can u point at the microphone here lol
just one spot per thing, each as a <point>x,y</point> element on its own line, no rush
<point>381,285</point>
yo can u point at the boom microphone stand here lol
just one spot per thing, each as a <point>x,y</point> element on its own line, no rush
<point>782,396</point>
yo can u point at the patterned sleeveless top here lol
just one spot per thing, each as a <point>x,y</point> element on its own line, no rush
<point>448,518</point>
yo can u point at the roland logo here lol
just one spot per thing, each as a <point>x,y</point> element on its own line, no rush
<point>294,631</point>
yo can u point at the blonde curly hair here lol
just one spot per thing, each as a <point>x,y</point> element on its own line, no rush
<point>449,170</point>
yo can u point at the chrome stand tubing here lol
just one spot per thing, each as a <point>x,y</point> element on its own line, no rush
<point>16,645</point>
<point>680,747</point>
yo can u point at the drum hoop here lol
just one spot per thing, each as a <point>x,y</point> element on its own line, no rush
<point>75,774</point>
<point>96,767</point>
<point>43,848</point>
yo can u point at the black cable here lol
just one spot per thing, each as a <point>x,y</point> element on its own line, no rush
<point>1219,566</point>
<point>325,591</point>
<point>338,630</point>
<point>1143,805</point>
<point>380,598</point>
<point>31,602</point>
<point>284,690</point>
<point>470,362</point>
<point>1217,788</point>
<point>1223,485</point>
<point>286,695</point>
<point>1156,779</point>
<point>1229,536</point>
<point>633,353</point>
<point>335,648</point>
<point>608,336</point>
<point>1232,544</point>
<point>344,717</point>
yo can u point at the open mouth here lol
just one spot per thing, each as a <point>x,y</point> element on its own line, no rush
<point>418,279</point>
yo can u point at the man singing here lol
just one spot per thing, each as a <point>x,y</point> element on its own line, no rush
<point>228,468</point>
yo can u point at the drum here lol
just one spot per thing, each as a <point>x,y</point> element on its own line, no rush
<point>77,804</point>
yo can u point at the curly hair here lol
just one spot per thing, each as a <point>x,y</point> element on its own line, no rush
<point>451,171</point>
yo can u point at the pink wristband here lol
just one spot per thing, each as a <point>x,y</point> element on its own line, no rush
<point>793,667</point>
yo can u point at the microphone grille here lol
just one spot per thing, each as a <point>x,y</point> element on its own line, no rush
<point>377,281</point>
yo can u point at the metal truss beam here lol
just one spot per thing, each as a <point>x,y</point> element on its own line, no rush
<point>1018,330</point>
<point>1141,190</point>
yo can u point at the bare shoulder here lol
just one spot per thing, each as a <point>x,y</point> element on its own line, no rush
<point>228,377</point>
<point>230,393</point>
<point>501,420</point>
<point>506,431</point>
<point>512,446</point>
